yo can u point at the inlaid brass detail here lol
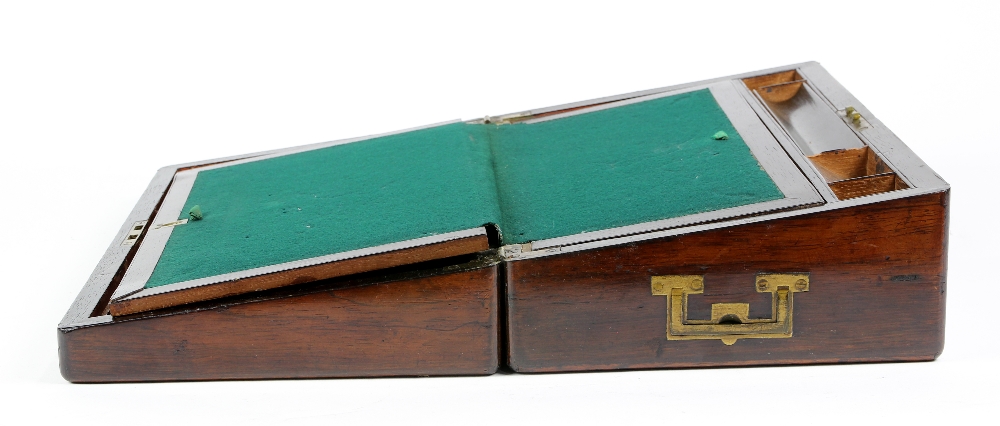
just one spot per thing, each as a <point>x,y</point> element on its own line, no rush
<point>174,223</point>
<point>133,234</point>
<point>729,321</point>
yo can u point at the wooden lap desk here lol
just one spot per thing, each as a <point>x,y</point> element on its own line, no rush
<point>759,219</point>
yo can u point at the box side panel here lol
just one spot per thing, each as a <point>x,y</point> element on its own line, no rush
<point>440,325</point>
<point>876,293</point>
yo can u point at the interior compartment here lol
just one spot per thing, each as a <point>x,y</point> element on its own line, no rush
<point>811,123</point>
<point>867,185</point>
<point>844,164</point>
<point>754,83</point>
<point>824,136</point>
<point>856,172</point>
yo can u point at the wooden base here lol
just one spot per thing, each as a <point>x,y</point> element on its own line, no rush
<point>877,293</point>
<point>438,325</point>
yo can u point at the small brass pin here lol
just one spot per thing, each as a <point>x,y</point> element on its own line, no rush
<point>169,224</point>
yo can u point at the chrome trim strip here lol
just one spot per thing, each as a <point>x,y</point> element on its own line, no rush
<point>142,265</point>
<point>629,95</point>
<point>311,147</point>
<point>773,159</point>
<point>646,227</point>
<point>87,322</point>
<point>805,166</point>
<point>614,104</point>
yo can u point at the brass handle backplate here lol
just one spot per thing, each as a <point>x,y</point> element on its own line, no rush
<point>730,321</point>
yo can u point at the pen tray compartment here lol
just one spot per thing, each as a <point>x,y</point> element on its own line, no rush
<point>856,172</point>
<point>824,135</point>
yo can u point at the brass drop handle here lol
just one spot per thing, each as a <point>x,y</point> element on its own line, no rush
<point>729,321</point>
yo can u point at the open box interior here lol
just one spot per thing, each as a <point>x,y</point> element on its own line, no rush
<point>513,173</point>
<point>827,137</point>
<point>291,217</point>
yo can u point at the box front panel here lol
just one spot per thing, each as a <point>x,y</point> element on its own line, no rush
<point>875,291</point>
<point>439,325</point>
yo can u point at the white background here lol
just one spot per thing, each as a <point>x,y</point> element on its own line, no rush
<point>95,96</point>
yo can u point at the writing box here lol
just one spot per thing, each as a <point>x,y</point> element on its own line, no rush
<point>760,219</point>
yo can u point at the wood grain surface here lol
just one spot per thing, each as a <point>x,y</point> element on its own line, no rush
<point>437,325</point>
<point>866,185</point>
<point>302,275</point>
<point>877,293</point>
<point>759,81</point>
<point>845,163</point>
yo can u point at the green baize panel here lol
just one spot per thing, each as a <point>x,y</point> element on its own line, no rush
<point>621,166</point>
<point>630,164</point>
<point>331,200</point>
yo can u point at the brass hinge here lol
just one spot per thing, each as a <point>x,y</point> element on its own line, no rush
<point>134,232</point>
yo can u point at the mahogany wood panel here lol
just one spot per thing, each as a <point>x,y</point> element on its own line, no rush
<point>759,81</point>
<point>866,185</point>
<point>843,164</point>
<point>438,325</point>
<point>877,293</point>
<point>302,275</point>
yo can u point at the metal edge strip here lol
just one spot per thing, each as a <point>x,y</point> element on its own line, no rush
<point>307,262</point>
<point>806,167</point>
<point>86,322</point>
<point>81,310</point>
<point>646,92</point>
<point>612,98</point>
<point>616,104</point>
<point>248,158</point>
<point>156,238</point>
<point>771,156</point>
<point>692,219</point>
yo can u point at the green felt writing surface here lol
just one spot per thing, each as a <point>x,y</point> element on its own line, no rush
<point>621,166</point>
<point>332,200</point>
<point>635,163</point>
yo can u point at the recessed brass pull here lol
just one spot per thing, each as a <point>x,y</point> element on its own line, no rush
<point>729,321</point>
